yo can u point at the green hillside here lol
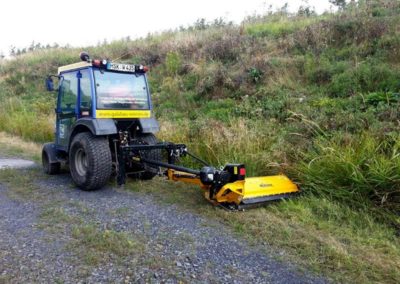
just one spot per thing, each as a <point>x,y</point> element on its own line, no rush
<point>314,96</point>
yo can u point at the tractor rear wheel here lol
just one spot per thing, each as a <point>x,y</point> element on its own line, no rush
<point>90,161</point>
<point>150,171</point>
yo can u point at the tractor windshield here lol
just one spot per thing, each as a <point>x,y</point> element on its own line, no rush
<point>121,90</point>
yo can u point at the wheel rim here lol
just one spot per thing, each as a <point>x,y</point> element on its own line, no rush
<point>81,162</point>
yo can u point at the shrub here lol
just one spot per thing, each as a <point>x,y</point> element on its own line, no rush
<point>344,84</point>
<point>224,46</point>
<point>370,76</point>
<point>376,98</point>
<point>219,109</point>
<point>173,63</point>
<point>255,74</point>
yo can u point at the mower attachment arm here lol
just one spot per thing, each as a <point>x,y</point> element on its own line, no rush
<point>227,187</point>
<point>136,152</point>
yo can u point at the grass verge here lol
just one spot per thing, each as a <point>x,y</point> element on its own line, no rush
<point>347,245</point>
<point>11,146</point>
<point>328,237</point>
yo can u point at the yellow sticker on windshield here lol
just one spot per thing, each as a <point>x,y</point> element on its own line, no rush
<point>106,113</point>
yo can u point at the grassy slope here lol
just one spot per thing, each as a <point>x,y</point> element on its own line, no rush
<point>313,96</point>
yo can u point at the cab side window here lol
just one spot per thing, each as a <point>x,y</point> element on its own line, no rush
<point>69,92</point>
<point>86,90</point>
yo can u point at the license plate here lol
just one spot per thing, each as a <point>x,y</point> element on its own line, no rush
<point>121,67</point>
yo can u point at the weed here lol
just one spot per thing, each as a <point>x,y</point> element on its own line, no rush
<point>121,211</point>
<point>97,246</point>
<point>20,182</point>
<point>255,74</point>
<point>54,218</point>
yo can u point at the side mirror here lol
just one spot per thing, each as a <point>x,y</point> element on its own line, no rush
<point>49,84</point>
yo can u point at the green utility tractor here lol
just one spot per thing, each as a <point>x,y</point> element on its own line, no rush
<point>105,124</point>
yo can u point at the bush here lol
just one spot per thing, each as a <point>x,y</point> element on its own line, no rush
<point>225,47</point>
<point>173,63</point>
<point>370,76</point>
<point>382,98</point>
<point>344,84</point>
<point>219,109</point>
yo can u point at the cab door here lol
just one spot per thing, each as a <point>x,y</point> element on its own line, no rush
<point>67,109</point>
<point>85,93</point>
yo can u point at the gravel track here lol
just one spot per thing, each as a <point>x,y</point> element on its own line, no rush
<point>178,246</point>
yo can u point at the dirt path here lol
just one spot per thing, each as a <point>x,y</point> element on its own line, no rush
<point>15,163</point>
<point>52,232</point>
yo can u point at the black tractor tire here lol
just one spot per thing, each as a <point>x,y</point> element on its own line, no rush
<point>50,168</point>
<point>90,161</point>
<point>150,171</point>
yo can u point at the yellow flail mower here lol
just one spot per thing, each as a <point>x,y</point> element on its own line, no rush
<point>227,187</point>
<point>105,124</point>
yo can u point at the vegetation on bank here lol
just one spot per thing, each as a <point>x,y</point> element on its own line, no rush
<point>314,96</point>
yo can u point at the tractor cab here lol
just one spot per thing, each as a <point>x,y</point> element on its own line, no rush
<point>100,104</point>
<point>91,90</point>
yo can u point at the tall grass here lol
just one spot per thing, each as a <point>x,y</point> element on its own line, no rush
<point>278,26</point>
<point>25,121</point>
<point>254,143</point>
<point>355,169</point>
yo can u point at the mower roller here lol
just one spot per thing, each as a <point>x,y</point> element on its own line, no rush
<point>104,124</point>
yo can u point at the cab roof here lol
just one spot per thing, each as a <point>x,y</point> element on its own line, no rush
<point>73,66</point>
<point>106,65</point>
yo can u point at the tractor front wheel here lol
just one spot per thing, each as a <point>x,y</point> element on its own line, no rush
<point>50,168</point>
<point>90,161</point>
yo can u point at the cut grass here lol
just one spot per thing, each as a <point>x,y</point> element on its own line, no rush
<point>319,234</point>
